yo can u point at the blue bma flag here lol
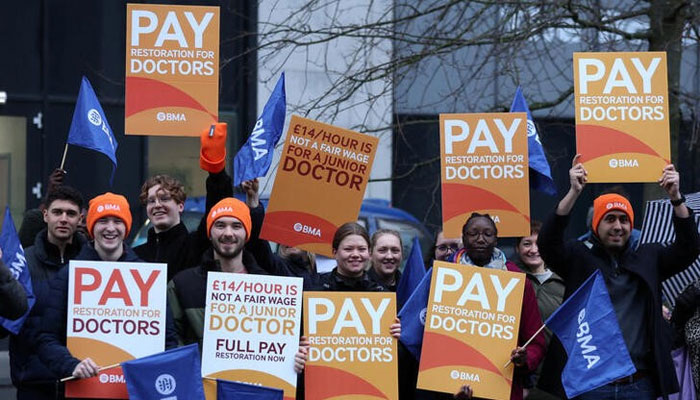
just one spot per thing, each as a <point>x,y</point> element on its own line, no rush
<point>412,274</point>
<point>228,390</point>
<point>89,128</point>
<point>412,316</point>
<point>587,328</point>
<point>13,258</point>
<point>171,374</point>
<point>540,173</point>
<point>254,158</point>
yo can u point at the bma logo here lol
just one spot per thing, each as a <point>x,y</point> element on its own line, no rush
<point>108,207</point>
<point>532,131</point>
<point>308,230</point>
<point>111,378</point>
<point>616,204</point>
<point>94,117</point>
<point>170,116</point>
<point>623,163</point>
<point>165,384</point>
<point>220,210</point>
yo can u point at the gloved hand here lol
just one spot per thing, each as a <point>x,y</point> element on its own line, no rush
<point>686,304</point>
<point>212,153</point>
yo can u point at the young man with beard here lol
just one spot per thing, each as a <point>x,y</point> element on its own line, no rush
<point>228,228</point>
<point>633,278</point>
<point>164,197</point>
<point>53,248</point>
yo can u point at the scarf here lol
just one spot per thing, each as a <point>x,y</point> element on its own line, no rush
<point>498,260</point>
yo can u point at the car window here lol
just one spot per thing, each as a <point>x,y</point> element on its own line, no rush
<point>408,230</point>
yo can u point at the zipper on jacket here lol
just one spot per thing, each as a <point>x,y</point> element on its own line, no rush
<point>157,247</point>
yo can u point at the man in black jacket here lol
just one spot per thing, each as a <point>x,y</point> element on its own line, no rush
<point>632,276</point>
<point>164,197</point>
<point>53,248</point>
<point>228,226</point>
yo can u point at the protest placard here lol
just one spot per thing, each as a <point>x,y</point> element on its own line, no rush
<point>319,186</point>
<point>622,125</point>
<point>471,327</point>
<point>352,353</point>
<point>116,312</point>
<point>484,164</point>
<point>251,330</point>
<point>172,69</point>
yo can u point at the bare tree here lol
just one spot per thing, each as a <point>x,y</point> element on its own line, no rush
<point>455,55</point>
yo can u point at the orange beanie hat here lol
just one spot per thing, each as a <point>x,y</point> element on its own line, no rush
<point>212,153</point>
<point>609,202</point>
<point>108,205</point>
<point>230,207</point>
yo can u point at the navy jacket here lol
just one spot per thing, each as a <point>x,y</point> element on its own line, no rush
<point>52,336</point>
<point>44,261</point>
<point>652,263</point>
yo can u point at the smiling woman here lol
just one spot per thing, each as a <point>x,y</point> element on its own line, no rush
<point>386,255</point>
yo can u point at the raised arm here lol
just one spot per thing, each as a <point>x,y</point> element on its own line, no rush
<point>550,241</point>
<point>578,176</point>
<point>686,247</point>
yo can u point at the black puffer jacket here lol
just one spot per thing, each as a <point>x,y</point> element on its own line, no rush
<point>575,261</point>
<point>44,261</point>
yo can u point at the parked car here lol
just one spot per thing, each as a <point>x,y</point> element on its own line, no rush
<point>374,214</point>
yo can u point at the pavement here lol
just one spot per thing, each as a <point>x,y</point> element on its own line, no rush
<point>7,391</point>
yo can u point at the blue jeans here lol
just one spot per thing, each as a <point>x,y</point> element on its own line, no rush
<point>642,389</point>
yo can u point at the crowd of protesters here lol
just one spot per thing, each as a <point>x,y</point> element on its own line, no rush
<point>227,240</point>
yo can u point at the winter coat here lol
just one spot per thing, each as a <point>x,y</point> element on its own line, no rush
<point>52,336</point>
<point>13,298</point>
<point>44,261</point>
<point>651,263</point>
<point>187,295</point>
<point>177,247</point>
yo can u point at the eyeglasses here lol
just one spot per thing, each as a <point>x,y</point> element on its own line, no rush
<point>443,248</point>
<point>160,199</point>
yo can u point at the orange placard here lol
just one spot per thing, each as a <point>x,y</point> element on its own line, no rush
<point>484,164</point>
<point>352,354</point>
<point>320,184</point>
<point>622,128</point>
<point>471,327</point>
<point>172,69</point>
<point>116,312</point>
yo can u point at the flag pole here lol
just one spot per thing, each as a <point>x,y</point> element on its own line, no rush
<point>70,378</point>
<point>63,160</point>
<point>528,341</point>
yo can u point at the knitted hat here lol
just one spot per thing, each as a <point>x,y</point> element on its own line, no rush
<point>609,202</point>
<point>230,207</point>
<point>108,205</point>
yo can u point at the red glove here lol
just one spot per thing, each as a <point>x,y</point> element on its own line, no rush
<point>212,153</point>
